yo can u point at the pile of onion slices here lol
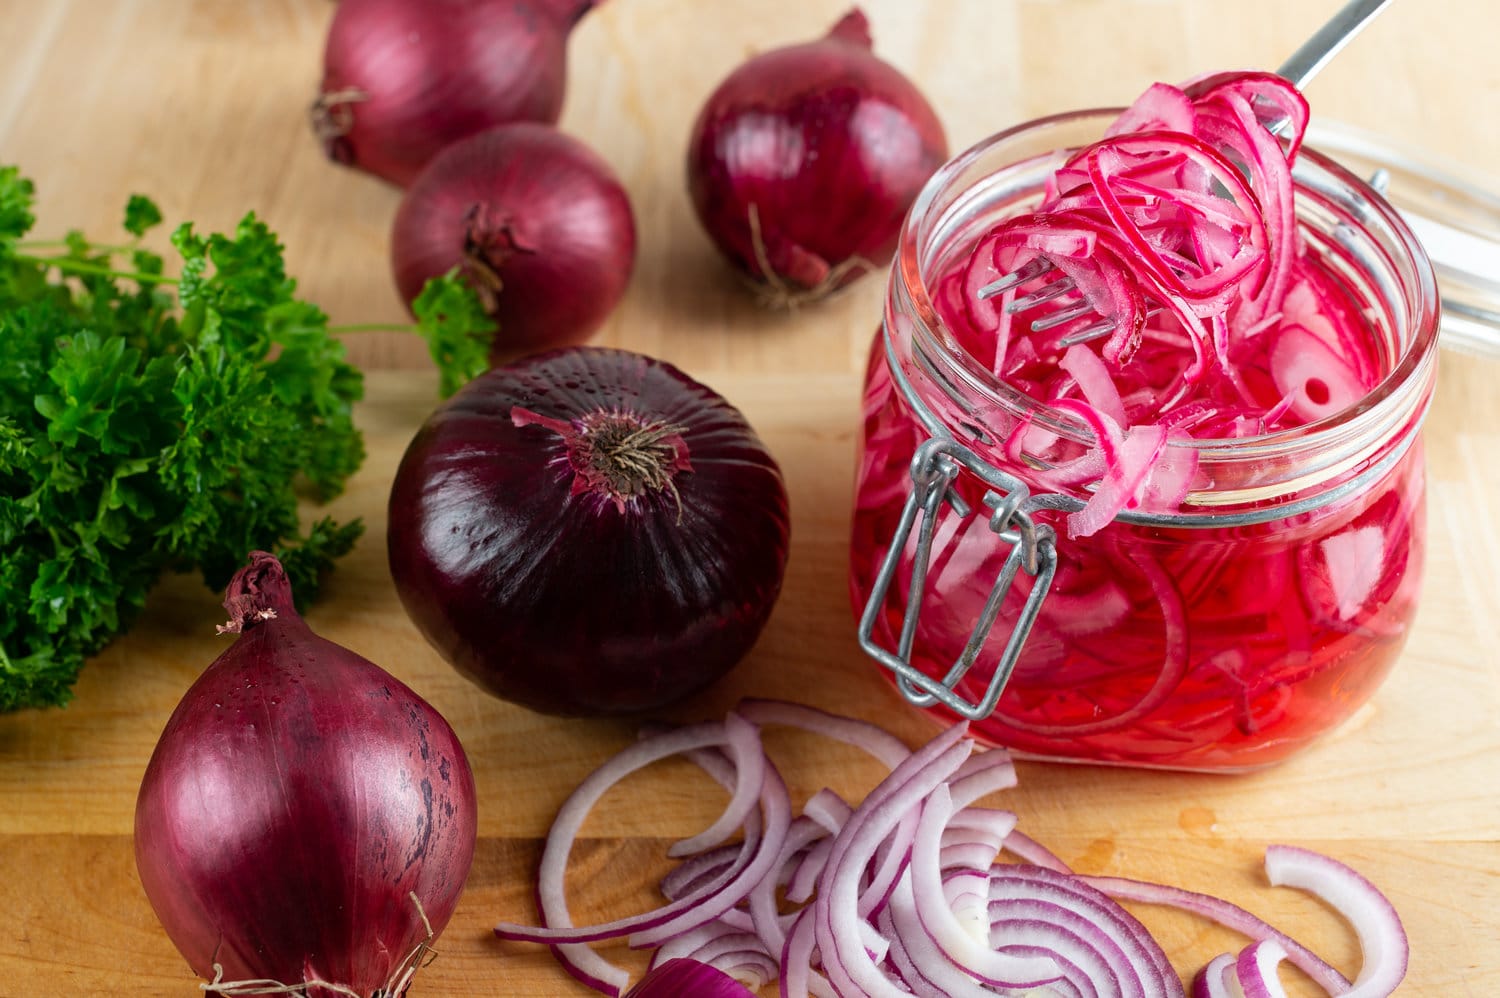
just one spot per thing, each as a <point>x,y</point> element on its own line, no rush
<point>919,889</point>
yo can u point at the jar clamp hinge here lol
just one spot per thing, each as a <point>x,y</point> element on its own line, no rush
<point>934,467</point>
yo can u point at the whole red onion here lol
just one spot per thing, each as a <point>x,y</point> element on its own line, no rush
<point>403,79</point>
<point>803,162</point>
<point>588,531</point>
<point>536,221</point>
<point>305,816</point>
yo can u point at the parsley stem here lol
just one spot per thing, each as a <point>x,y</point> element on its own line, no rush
<point>375,327</point>
<point>70,266</point>
<point>43,244</point>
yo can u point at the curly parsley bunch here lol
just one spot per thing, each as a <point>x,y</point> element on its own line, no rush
<point>149,423</point>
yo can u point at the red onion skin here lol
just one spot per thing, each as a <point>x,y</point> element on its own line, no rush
<point>436,71</point>
<point>529,209</point>
<point>571,603</point>
<point>296,800</point>
<point>829,145</point>
<point>685,976</point>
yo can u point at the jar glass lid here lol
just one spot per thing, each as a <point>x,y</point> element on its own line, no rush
<point>1455,215</point>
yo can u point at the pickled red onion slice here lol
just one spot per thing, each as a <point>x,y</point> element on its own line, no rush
<point>1179,227</point>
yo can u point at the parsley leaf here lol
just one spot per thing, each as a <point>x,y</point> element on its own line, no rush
<point>457,329</point>
<point>15,205</point>
<point>144,431</point>
<point>141,215</point>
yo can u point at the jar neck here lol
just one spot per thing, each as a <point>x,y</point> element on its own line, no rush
<point>1244,482</point>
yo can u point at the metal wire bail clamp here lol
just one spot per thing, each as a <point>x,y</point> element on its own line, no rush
<point>935,465</point>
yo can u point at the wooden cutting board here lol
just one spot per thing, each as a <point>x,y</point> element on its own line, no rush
<point>199,102</point>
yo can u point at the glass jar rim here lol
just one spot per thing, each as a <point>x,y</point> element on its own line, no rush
<point>1421,318</point>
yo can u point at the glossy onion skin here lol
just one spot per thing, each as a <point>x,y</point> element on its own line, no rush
<point>440,70</point>
<point>566,603</point>
<point>829,143</point>
<point>296,799</point>
<point>559,223</point>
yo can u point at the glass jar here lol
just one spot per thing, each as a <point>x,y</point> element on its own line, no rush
<point>1223,635</point>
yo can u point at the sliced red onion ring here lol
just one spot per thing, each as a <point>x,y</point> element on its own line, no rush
<point>836,921</point>
<point>1255,968</point>
<point>694,872</point>
<point>776,806</point>
<point>828,809</point>
<point>1217,979</point>
<point>923,966</point>
<point>798,979</point>
<point>982,774</point>
<point>740,955</point>
<point>756,857</point>
<point>1029,850</point>
<point>1230,916</point>
<point>763,911</point>
<point>902,895</point>
<point>967,856</point>
<point>988,825</point>
<point>1382,940</point>
<point>964,944</point>
<point>743,742</point>
<point>799,889</point>
<point>1101,927</point>
<point>690,942</point>
<point>966,893</point>
<point>861,734</point>
<point>580,961</point>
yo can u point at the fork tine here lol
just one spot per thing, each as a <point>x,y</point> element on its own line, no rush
<point>1059,318</point>
<point>1054,290</point>
<point>1036,268</point>
<point>1094,330</point>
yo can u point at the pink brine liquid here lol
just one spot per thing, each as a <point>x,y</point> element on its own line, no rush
<point>1201,648</point>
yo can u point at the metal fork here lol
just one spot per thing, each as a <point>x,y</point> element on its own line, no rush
<point>1299,68</point>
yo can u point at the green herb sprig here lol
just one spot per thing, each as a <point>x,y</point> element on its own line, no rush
<point>152,423</point>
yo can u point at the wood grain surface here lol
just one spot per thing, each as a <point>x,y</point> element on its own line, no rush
<point>201,103</point>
